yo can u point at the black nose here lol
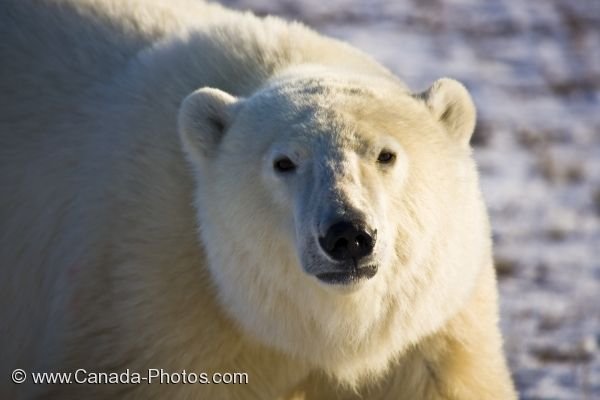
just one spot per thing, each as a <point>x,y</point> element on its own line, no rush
<point>347,240</point>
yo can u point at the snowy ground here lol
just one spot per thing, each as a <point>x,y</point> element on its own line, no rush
<point>533,68</point>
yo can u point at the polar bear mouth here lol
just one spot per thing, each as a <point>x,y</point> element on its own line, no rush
<point>347,277</point>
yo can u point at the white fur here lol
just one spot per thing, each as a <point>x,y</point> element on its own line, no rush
<point>120,250</point>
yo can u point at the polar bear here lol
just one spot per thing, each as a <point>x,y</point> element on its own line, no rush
<point>189,188</point>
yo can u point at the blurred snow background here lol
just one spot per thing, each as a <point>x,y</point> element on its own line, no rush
<point>533,68</point>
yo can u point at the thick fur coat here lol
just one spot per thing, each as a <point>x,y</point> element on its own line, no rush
<point>147,220</point>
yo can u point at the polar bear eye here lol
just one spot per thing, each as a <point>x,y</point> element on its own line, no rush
<point>386,157</point>
<point>284,164</point>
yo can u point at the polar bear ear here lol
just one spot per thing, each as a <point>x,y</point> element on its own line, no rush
<point>203,118</point>
<point>451,104</point>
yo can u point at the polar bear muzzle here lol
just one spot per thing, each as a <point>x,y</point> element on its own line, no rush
<point>349,243</point>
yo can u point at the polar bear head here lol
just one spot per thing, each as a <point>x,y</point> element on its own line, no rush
<point>339,214</point>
